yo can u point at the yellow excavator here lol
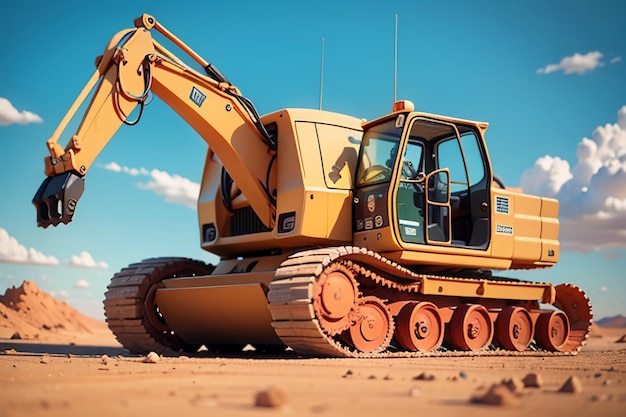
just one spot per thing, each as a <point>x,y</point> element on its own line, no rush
<point>336,236</point>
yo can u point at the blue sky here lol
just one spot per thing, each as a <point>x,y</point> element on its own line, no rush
<point>549,77</point>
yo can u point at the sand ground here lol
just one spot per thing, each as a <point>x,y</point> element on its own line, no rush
<point>96,377</point>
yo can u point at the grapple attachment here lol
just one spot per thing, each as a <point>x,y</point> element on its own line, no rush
<point>57,197</point>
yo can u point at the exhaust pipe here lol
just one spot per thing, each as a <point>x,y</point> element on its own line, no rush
<point>57,197</point>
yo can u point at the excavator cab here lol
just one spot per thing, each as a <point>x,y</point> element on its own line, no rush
<point>422,180</point>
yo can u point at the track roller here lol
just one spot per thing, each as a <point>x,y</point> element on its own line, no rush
<point>419,327</point>
<point>552,330</point>
<point>373,329</point>
<point>514,328</point>
<point>470,328</point>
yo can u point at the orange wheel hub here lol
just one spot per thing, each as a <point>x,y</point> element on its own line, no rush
<point>373,330</point>
<point>419,327</point>
<point>552,330</point>
<point>470,327</point>
<point>514,328</point>
<point>335,298</point>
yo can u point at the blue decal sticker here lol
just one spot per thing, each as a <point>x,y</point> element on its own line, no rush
<point>196,96</point>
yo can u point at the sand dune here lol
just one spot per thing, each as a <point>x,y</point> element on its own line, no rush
<point>28,313</point>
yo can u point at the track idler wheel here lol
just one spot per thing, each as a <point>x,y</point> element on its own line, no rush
<point>373,329</point>
<point>470,328</point>
<point>575,304</point>
<point>419,327</point>
<point>514,328</point>
<point>131,311</point>
<point>335,299</point>
<point>552,330</point>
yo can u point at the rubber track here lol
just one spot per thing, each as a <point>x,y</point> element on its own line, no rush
<point>291,305</point>
<point>124,303</point>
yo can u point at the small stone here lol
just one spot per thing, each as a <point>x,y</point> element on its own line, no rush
<point>600,397</point>
<point>271,398</point>
<point>387,378</point>
<point>415,392</point>
<point>607,382</point>
<point>532,380</point>
<point>205,401</point>
<point>572,385</point>
<point>463,374</point>
<point>597,375</point>
<point>347,374</point>
<point>152,357</point>
<point>514,384</point>
<point>104,359</point>
<point>16,336</point>
<point>499,395</point>
<point>424,377</point>
<point>371,377</point>
<point>320,408</point>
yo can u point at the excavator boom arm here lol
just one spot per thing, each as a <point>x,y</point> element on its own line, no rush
<point>133,65</point>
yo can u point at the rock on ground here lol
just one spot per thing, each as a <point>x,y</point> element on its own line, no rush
<point>271,398</point>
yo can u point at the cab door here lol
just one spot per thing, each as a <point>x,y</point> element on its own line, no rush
<point>442,194</point>
<point>438,211</point>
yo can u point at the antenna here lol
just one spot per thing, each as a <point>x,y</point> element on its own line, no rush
<point>395,60</point>
<point>322,75</point>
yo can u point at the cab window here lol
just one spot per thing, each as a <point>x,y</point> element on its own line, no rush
<point>378,153</point>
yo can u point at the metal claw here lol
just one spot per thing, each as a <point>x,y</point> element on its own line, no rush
<point>57,197</point>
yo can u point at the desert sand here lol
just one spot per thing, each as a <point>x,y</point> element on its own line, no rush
<point>66,369</point>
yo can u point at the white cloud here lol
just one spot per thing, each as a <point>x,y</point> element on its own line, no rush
<point>547,176</point>
<point>10,115</point>
<point>575,63</point>
<point>616,60</point>
<point>85,260</point>
<point>173,188</point>
<point>113,166</point>
<point>604,289</point>
<point>82,284</point>
<point>592,194</point>
<point>11,251</point>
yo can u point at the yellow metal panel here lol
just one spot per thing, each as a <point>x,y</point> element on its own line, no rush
<point>339,148</point>
<point>263,277</point>
<point>502,224</point>
<point>446,257</point>
<point>549,208</point>
<point>550,251</point>
<point>339,215</point>
<point>314,211</point>
<point>487,289</point>
<point>308,153</point>
<point>527,228</point>
<point>222,314</point>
